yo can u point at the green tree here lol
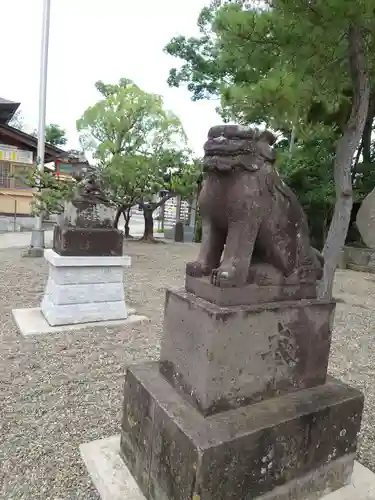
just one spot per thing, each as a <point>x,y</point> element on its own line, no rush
<point>139,179</point>
<point>137,144</point>
<point>308,171</point>
<point>54,134</point>
<point>50,192</point>
<point>271,65</point>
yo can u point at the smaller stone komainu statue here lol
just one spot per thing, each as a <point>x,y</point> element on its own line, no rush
<point>89,206</point>
<point>90,187</point>
<point>86,226</point>
<point>254,229</point>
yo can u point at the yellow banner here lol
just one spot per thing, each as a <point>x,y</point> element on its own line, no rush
<point>15,155</point>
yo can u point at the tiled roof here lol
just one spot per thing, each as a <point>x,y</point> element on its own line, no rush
<point>6,101</point>
<point>7,109</point>
<point>31,142</point>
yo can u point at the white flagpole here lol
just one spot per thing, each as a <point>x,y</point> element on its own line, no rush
<point>37,239</point>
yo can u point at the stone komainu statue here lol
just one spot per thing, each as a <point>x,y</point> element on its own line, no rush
<point>86,226</point>
<point>254,229</point>
<point>89,186</point>
<point>89,206</point>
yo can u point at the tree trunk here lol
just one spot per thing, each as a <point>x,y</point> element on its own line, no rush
<point>148,234</point>
<point>127,215</point>
<point>117,217</point>
<point>178,208</point>
<point>193,212</point>
<point>366,140</point>
<point>345,151</point>
<point>127,229</point>
<point>148,210</point>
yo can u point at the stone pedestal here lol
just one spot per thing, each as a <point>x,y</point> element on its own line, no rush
<point>225,357</point>
<point>239,406</point>
<point>359,259</point>
<point>294,447</point>
<point>84,289</point>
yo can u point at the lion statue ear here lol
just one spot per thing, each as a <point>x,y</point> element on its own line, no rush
<point>268,137</point>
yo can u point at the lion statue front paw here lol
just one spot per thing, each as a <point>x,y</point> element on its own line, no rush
<point>197,269</point>
<point>224,277</point>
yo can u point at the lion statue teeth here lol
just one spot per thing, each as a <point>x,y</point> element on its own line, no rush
<point>253,227</point>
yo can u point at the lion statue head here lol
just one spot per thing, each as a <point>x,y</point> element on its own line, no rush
<point>232,147</point>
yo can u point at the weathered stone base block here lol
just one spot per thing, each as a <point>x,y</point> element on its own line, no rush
<point>84,289</point>
<point>257,451</point>
<point>358,259</point>
<point>87,241</point>
<point>226,357</point>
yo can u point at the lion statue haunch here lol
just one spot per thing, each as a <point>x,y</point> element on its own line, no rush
<point>253,227</point>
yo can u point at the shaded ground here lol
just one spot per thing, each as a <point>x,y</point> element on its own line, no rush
<point>61,390</point>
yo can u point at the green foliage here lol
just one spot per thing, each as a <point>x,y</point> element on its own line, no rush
<point>308,168</point>
<point>184,177</point>
<point>270,63</point>
<point>138,179</point>
<point>50,192</point>
<point>308,171</point>
<point>140,147</point>
<point>56,135</point>
<point>284,64</point>
<point>128,121</point>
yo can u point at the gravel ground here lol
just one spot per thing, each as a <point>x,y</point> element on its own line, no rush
<point>59,391</point>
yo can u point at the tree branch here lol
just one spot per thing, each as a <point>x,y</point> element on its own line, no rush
<point>165,199</point>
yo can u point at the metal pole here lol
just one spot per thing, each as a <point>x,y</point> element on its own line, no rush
<point>15,215</point>
<point>37,240</point>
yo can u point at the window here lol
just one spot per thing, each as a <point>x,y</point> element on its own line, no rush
<point>11,176</point>
<point>4,174</point>
<point>18,180</point>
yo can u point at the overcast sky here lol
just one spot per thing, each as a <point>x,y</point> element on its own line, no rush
<point>92,40</point>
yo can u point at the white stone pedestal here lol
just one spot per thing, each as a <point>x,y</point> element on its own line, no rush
<point>84,289</point>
